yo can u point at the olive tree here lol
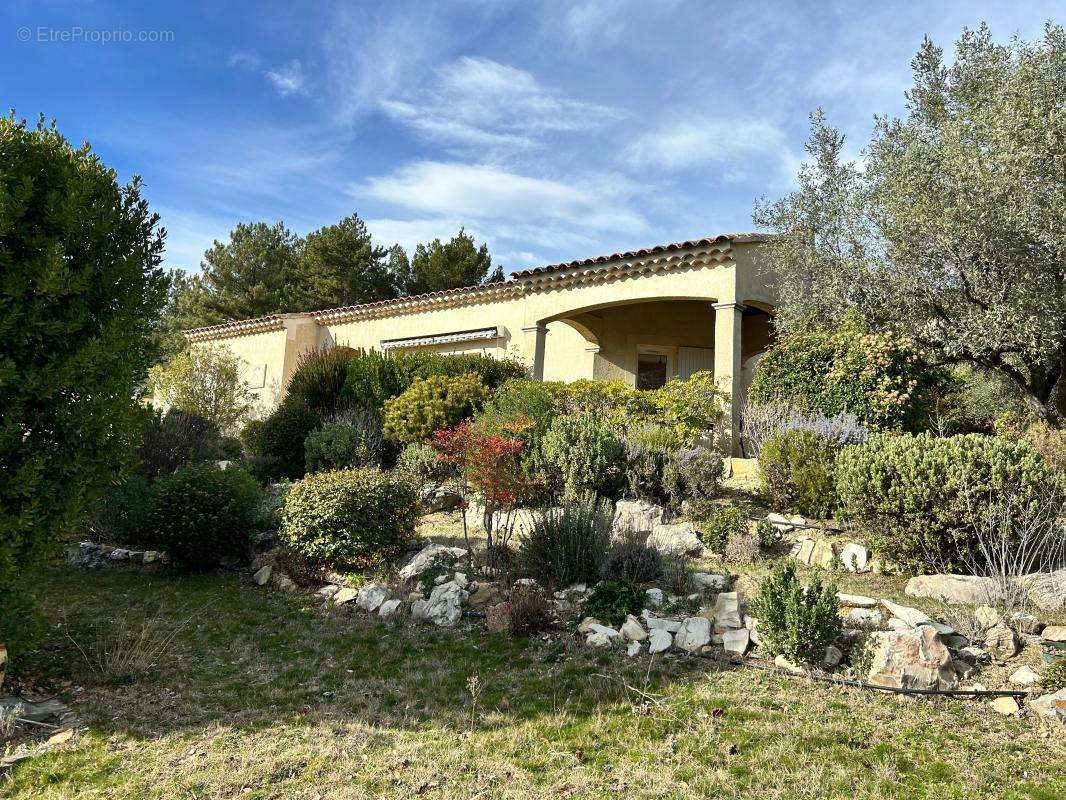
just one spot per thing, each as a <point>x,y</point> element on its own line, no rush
<point>205,381</point>
<point>80,295</point>
<point>951,230</point>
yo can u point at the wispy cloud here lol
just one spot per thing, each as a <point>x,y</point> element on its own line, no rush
<point>485,192</point>
<point>736,146</point>
<point>288,79</point>
<point>478,103</point>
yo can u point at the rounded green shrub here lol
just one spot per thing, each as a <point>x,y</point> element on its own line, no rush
<point>423,464</point>
<point>721,524</point>
<point>341,445</point>
<point>611,601</point>
<point>879,377</point>
<point>692,475</point>
<point>649,449</point>
<point>796,621</point>
<point>432,404</point>
<point>202,514</point>
<point>277,443</point>
<point>922,499</point>
<point>350,519</point>
<point>798,469</point>
<point>584,454</point>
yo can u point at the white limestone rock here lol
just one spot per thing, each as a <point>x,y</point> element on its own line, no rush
<point>856,600</point>
<point>371,596</point>
<point>656,623</point>
<point>709,582</point>
<point>1024,676</point>
<point>736,641</point>
<point>694,633</point>
<point>633,630</point>
<point>637,516</point>
<point>912,616</point>
<point>955,589</point>
<point>586,624</point>
<point>344,595</point>
<point>727,611</point>
<point>430,556</point>
<point>262,575</point>
<point>633,649</point>
<point>659,640</point>
<point>389,608</point>
<point>654,598</point>
<point>444,607</point>
<point>678,537</point>
<point>865,618</point>
<point>1051,705</point>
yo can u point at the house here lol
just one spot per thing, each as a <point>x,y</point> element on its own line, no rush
<point>640,317</point>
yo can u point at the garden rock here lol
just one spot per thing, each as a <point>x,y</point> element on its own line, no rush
<point>709,582</point>
<point>1047,590</point>
<point>833,657</point>
<point>856,600</point>
<point>855,557</point>
<point>678,537</point>
<point>986,617</point>
<point>1025,623</point>
<point>911,616</point>
<point>865,618</point>
<point>444,607</point>
<point>262,575</point>
<point>1051,705</point>
<point>659,640</point>
<point>440,499</point>
<point>485,595</point>
<point>910,659</point>
<point>633,630</point>
<point>283,582</point>
<point>736,641</point>
<point>655,598</point>
<point>388,608</point>
<point>954,589</point>
<point>1054,633</point>
<point>655,623</point>
<point>637,516</point>
<point>783,663</point>
<point>802,549</point>
<point>693,634</point>
<point>432,555</point>
<point>633,649</point>
<point>370,597</point>
<point>587,623</point>
<point>344,595</point>
<point>783,523</point>
<point>1002,642</point>
<point>327,591</point>
<point>1007,706</point>
<point>602,636</point>
<point>727,611</point>
<point>1023,676</point>
<point>752,626</point>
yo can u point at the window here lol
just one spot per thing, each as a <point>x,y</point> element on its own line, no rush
<point>652,370</point>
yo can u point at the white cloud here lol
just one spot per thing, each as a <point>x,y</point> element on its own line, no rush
<point>843,78</point>
<point>484,192</point>
<point>736,146</point>
<point>243,59</point>
<point>480,103</point>
<point>595,22</point>
<point>288,79</point>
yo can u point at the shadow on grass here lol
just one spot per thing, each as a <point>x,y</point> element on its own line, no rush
<point>248,656</point>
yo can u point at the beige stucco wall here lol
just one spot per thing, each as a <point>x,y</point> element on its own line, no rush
<point>588,321</point>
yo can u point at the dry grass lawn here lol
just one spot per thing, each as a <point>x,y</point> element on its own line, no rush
<point>264,696</point>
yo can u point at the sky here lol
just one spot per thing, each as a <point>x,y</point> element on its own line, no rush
<point>551,130</point>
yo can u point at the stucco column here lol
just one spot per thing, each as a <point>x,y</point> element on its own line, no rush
<point>727,321</point>
<point>301,336</point>
<point>534,340</point>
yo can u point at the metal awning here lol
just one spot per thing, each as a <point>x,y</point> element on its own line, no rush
<point>481,334</point>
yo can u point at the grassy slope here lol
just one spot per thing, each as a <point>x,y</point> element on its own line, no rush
<point>264,697</point>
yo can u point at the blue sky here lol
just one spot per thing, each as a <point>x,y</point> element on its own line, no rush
<point>552,130</point>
